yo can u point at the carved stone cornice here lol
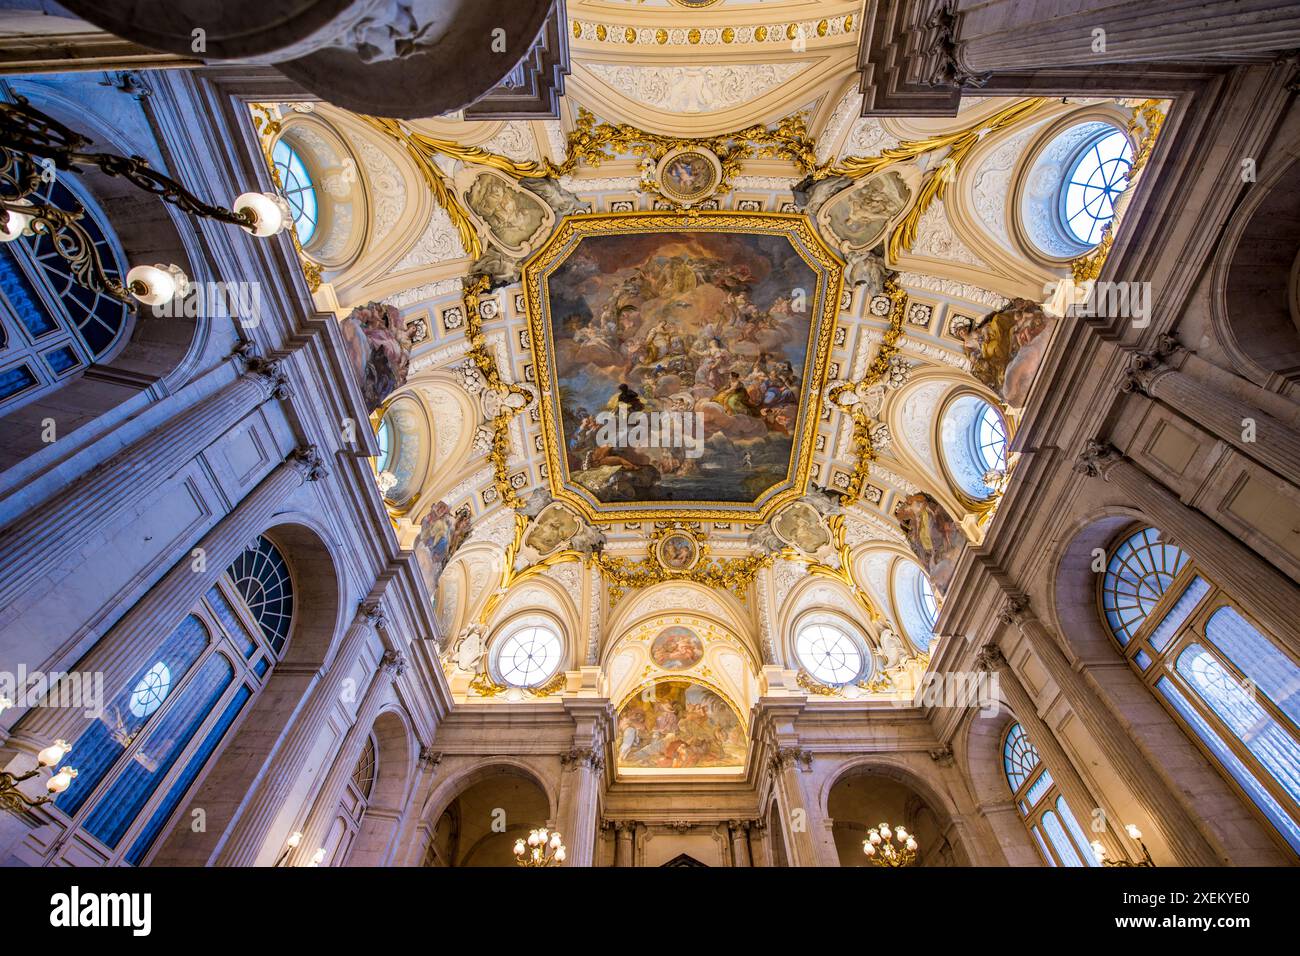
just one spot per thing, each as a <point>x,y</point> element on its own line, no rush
<point>784,757</point>
<point>1145,367</point>
<point>394,663</point>
<point>990,658</point>
<point>1097,458</point>
<point>307,459</point>
<point>583,757</point>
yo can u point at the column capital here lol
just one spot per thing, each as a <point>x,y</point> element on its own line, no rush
<point>373,614</point>
<point>583,757</point>
<point>990,658</point>
<point>784,757</point>
<point>270,373</point>
<point>394,663</point>
<point>309,463</point>
<point>430,758</point>
<point>1097,458</point>
<point>1015,609</point>
<point>946,49</point>
<point>1146,366</point>
<point>942,756</point>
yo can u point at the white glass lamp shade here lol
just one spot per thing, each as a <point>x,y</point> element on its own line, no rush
<point>17,223</point>
<point>53,753</point>
<point>560,855</point>
<point>270,213</point>
<point>60,781</point>
<point>869,848</point>
<point>1099,851</point>
<point>157,285</point>
<point>295,838</point>
<point>519,847</point>
<point>1133,831</point>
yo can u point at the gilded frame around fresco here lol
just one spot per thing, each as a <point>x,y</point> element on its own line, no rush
<point>824,307</point>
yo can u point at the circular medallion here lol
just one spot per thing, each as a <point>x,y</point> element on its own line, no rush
<point>689,174</point>
<point>678,552</point>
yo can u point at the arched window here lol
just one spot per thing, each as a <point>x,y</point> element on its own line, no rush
<point>1097,176</point>
<point>51,327</point>
<point>974,441</point>
<point>1234,690</point>
<point>1056,832</point>
<point>829,652</point>
<point>138,759</point>
<point>296,187</point>
<point>528,655</point>
<point>915,603</point>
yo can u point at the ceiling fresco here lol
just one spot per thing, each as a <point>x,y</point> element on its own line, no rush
<point>678,355</point>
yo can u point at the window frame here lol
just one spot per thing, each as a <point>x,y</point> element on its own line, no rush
<point>1051,800</point>
<point>516,626</point>
<point>819,618</point>
<point>1126,156</point>
<point>1162,664</point>
<point>220,643</point>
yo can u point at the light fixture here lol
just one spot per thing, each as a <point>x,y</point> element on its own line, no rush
<point>1134,833</point>
<point>886,846</point>
<point>290,844</point>
<point>157,285</point>
<point>266,213</point>
<point>542,848</point>
<point>33,144</point>
<point>12,798</point>
<point>16,221</point>
<point>318,857</point>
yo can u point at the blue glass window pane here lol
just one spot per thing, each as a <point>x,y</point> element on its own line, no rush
<point>1076,831</point>
<point>103,742</point>
<point>1142,659</point>
<point>27,304</point>
<point>1038,788</point>
<point>261,666</point>
<point>230,621</point>
<point>1139,572</point>
<point>117,808</point>
<point>262,579</point>
<point>1230,762</point>
<point>1094,184</point>
<point>296,187</point>
<point>60,360</point>
<point>1038,838</point>
<point>186,777</point>
<point>15,381</point>
<point>1258,658</point>
<point>1249,722</point>
<point>1161,636</point>
<point>1019,757</point>
<point>1060,842</point>
<point>992,440</point>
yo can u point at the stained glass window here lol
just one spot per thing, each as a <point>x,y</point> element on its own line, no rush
<point>1233,688</point>
<point>262,577</point>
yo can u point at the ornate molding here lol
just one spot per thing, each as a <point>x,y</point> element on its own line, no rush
<point>430,758</point>
<point>270,373</point>
<point>949,72</point>
<point>373,613</point>
<point>1014,610</point>
<point>1097,458</point>
<point>942,756</point>
<point>393,663</point>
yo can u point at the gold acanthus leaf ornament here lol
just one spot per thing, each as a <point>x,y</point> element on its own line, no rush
<point>876,372</point>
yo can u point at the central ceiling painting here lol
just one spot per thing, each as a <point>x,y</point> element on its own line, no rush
<point>677,355</point>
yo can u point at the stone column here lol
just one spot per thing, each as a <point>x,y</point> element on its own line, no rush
<point>391,667</point>
<point>787,765</point>
<point>1186,840</point>
<point>579,796</point>
<point>1008,826</point>
<point>130,645</point>
<point>32,544</point>
<point>1055,759</point>
<point>1275,445</point>
<point>246,837</point>
<point>739,830</point>
<point>623,849</point>
<point>1272,598</point>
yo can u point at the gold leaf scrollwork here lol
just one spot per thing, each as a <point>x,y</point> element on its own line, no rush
<point>876,371</point>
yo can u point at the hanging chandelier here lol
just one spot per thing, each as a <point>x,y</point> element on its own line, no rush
<point>889,847</point>
<point>542,848</point>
